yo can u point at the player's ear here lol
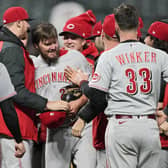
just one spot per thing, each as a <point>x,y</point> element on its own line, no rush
<point>84,42</point>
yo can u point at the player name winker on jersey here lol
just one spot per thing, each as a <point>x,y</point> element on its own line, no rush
<point>136,57</point>
<point>51,77</point>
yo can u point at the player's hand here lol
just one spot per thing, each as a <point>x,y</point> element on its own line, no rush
<point>19,150</point>
<point>75,105</point>
<point>164,128</point>
<point>161,117</point>
<point>75,76</point>
<point>58,105</point>
<point>74,108</point>
<point>78,127</point>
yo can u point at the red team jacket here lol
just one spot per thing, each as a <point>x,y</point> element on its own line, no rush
<point>25,115</point>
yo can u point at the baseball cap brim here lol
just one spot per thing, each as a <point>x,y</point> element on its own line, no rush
<point>164,20</point>
<point>92,37</point>
<point>30,19</point>
<point>68,32</point>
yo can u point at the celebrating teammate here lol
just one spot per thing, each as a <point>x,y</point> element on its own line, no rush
<point>75,32</point>
<point>15,57</point>
<point>128,77</point>
<point>50,64</point>
<point>157,37</point>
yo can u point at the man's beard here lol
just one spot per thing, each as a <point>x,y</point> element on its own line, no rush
<point>51,60</point>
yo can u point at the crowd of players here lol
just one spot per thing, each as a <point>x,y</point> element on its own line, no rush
<point>114,123</point>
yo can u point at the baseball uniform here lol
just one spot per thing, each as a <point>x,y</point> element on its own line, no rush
<point>61,145</point>
<point>130,74</point>
<point>6,90</point>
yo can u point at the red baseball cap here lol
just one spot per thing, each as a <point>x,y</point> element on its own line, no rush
<point>109,25</point>
<point>53,119</point>
<point>80,25</point>
<point>139,34</point>
<point>14,14</point>
<point>159,30</point>
<point>97,29</point>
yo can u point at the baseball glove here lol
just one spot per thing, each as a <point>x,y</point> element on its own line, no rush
<point>71,92</point>
<point>54,119</point>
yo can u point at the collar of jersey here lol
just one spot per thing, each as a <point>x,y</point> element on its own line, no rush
<point>130,40</point>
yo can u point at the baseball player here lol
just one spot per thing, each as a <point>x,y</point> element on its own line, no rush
<point>157,38</point>
<point>6,93</point>
<point>50,79</point>
<point>110,40</point>
<point>15,57</point>
<point>75,32</point>
<point>128,75</point>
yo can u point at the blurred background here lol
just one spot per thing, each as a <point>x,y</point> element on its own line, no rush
<point>59,11</point>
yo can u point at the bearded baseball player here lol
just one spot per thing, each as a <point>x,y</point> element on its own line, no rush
<point>127,76</point>
<point>50,82</point>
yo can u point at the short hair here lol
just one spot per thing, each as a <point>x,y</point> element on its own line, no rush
<point>126,16</point>
<point>42,32</point>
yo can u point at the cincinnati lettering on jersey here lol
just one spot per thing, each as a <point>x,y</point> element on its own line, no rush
<point>136,57</point>
<point>49,78</point>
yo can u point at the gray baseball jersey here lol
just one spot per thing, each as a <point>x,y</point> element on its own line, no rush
<point>60,144</point>
<point>131,73</point>
<point>50,79</point>
<point>6,90</point>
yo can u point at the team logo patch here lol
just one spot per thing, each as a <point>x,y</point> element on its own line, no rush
<point>121,122</point>
<point>153,32</point>
<point>96,77</point>
<point>70,26</point>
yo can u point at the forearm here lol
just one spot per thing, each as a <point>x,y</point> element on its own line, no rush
<point>162,90</point>
<point>82,100</point>
<point>31,100</point>
<point>97,103</point>
<point>86,90</point>
<point>11,119</point>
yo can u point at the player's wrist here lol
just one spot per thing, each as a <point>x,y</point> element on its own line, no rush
<point>82,81</point>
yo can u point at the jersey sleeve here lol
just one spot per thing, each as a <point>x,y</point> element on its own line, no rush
<point>6,90</point>
<point>81,62</point>
<point>102,75</point>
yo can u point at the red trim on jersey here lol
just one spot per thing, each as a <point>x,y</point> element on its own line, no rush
<point>62,52</point>
<point>1,44</point>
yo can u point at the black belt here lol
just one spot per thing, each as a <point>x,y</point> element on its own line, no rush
<point>120,116</point>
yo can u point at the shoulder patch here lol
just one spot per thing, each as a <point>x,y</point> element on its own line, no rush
<point>96,77</point>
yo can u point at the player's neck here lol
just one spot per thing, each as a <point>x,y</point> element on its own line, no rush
<point>125,36</point>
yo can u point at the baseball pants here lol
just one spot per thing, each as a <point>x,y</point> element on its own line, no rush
<point>7,154</point>
<point>132,143</point>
